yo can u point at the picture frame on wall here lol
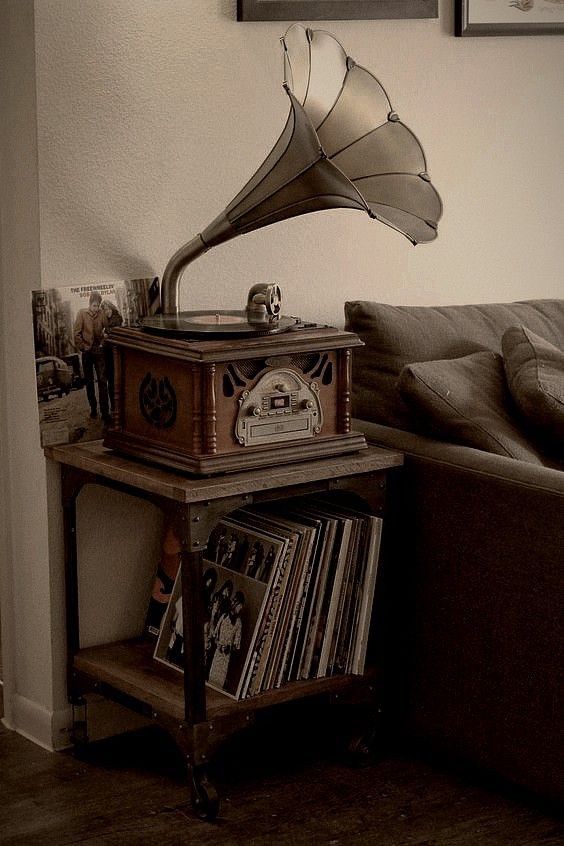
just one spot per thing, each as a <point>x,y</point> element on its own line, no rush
<point>326,10</point>
<point>509,17</point>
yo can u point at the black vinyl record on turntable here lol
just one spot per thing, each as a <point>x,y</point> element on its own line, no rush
<point>261,317</point>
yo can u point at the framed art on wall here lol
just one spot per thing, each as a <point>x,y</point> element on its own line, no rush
<point>509,17</point>
<point>325,10</point>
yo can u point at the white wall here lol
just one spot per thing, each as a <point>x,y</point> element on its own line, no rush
<point>151,115</point>
<point>26,608</point>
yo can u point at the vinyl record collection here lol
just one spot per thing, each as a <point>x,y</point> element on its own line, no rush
<point>288,592</point>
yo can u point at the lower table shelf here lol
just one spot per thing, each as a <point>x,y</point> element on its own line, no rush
<point>128,666</point>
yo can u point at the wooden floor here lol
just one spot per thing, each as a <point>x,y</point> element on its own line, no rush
<point>131,792</point>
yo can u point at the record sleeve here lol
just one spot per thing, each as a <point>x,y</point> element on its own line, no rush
<point>266,661</point>
<point>233,613</point>
<point>73,359</point>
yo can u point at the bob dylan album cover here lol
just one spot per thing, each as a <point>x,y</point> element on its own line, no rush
<point>73,360</point>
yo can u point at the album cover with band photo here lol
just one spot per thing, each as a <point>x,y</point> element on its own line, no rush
<point>233,606</point>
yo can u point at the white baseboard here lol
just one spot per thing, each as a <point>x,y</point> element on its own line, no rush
<point>49,729</point>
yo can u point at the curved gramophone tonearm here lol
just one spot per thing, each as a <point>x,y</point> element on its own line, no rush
<point>264,301</point>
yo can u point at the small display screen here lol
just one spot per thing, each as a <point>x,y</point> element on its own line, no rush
<point>280,402</point>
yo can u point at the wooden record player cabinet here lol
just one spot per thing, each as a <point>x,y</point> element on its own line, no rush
<point>208,406</point>
<point>197,717</point>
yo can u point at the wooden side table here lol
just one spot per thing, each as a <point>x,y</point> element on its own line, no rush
<point>196,716</point>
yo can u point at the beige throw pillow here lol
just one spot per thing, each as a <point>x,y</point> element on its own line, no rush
<point>535,375</point>
<point>466,400</point>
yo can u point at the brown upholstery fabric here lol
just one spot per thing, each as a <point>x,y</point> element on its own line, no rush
<point>483,659</point>
<point>470,606</point>
<point>399,335</point>
<point>465,400</point>
<point>535,375</point>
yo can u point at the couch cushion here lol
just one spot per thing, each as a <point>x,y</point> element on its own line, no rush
<point>398,335</point>
<point>466,400</point>
<point>535,375</point>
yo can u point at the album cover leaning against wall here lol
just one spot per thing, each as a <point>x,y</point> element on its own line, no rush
<point>73,361</point>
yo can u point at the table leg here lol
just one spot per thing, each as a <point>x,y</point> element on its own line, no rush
<point>204,796</point>
<point>193,623</point>
<point>71,487</point>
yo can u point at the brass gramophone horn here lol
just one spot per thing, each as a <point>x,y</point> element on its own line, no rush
<point>343,146</point>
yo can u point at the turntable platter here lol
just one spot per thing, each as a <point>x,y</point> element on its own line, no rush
<point>213,324</point>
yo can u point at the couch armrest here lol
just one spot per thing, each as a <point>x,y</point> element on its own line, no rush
<point>473,587</point>
<point>473,460</point>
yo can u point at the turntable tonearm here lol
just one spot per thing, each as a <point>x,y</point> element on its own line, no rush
<point>213,391</point>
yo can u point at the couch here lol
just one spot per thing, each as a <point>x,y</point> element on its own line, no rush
<point>472,590</point>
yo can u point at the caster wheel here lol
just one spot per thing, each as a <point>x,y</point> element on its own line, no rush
<point>360,750</point>
<point>205,801</point>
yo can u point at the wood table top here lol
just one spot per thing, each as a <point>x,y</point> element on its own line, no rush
<point>92,457</point>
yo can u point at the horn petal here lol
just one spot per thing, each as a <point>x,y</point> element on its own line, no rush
<point>296,150</point>
<point>295,178</point>
<point>391,147</point>
<point>315,67</point>
<point>361,134</point>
